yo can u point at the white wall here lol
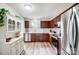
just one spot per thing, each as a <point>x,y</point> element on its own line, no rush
<point>35,27</point>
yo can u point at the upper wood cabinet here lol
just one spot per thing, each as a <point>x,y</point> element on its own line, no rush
<point>50,24</point>
<point>45,24</point>
<point>26,24</point>
<point>54,22</point>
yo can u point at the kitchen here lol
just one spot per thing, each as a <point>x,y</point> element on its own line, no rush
<point>45,31</point>
<point>35,30</point>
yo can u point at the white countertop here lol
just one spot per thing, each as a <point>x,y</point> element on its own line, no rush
<point>14,40</point>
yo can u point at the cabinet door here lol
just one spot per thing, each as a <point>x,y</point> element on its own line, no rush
<point>18,26</point>
<point>45,24</point>
<point>13,50</point>
<point>54,21</point>
<point>26,24</point>
<point>21,43</point>
<point>10,25</point>
<point>17,47</point>
<point>40,37</point>
<point>35,37</point>
<point>45,37</point>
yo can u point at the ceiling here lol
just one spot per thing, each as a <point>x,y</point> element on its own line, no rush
<point>41,10</point>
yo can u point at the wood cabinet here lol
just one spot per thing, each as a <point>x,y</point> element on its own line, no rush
<point>45,24</point>
<point>50,24</point>
<point>26,24</point>
<point>35,37</point>
<point>54,22</point>
<point>40,37</point>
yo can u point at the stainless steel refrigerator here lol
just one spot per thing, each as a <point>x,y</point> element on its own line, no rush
<point>70,32</point>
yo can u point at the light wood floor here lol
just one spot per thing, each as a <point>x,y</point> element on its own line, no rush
<point>39,48</point>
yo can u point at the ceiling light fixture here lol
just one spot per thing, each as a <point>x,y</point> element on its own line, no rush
<point>28,7</point>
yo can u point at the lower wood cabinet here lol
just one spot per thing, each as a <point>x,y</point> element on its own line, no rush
<point>40,37</point>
